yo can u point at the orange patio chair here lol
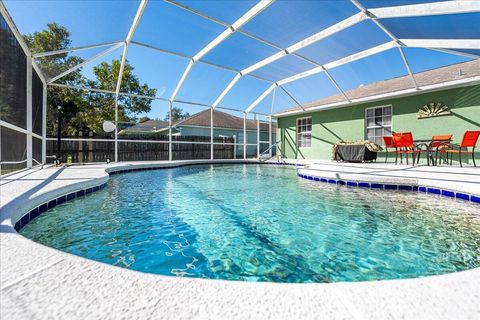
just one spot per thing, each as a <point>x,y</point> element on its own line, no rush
<point>439,144</point>
<point>388,141</point>
<point>469,140</point>
<point>404,145</point>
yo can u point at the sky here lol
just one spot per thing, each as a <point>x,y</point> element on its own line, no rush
<point>283,23</point>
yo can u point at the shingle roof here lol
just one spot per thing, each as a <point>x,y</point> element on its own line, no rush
<point>149,125</point>
<point>221,120</point>
<point>202,119</point>
<point>445,74</point>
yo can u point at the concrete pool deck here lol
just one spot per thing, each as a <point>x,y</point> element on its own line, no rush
<point>38,282</point>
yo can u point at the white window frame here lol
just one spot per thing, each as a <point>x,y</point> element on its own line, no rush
<point>366,126</point>
<point>298,133</point>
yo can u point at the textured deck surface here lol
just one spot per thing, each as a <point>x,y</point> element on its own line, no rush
<point>37,282</point>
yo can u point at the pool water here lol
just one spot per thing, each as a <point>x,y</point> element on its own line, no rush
<point>262,223</point>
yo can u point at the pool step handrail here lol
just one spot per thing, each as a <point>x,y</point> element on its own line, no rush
<point>267,150</point>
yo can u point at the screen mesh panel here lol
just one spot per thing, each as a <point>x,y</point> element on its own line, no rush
<point>14,149</point>
<point>37,104</point>
<point>13,78</point>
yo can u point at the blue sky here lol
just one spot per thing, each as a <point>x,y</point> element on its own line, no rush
<point>283,23</point>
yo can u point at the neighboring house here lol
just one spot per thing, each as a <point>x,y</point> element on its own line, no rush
<point>380,108</point>
<point>147,127</point>
<point>224,124</point>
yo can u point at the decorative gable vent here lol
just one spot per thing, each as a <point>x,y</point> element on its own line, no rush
<point>433,109</point>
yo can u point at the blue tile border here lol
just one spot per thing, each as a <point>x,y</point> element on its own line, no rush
<point>35,212</point>
<point>399,187</point>
<point>296,165</point>
<point>44,207</point>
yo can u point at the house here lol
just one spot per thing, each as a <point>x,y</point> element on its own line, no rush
<point>146,127</point>
<point>380,108</point>
<point>224,124</point>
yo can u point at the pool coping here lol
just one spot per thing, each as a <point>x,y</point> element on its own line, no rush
<point>420,297</point>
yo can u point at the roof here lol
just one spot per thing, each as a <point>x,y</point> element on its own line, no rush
<point>449,73</point>
<point>202,119</point>
<point>148,126</point>
<point>221,120</point>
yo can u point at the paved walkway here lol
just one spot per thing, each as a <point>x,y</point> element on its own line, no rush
<point>38,282</point>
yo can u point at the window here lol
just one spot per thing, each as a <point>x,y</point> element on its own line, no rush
<point>378,123</point>
<point>304,132</point>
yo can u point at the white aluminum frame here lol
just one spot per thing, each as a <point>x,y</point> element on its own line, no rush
<point>126,44</point>
<point>68,50</point>
<point>250,14</point>
<point>418,43</point>
<point>424,9</point>
<point>374,19</point>
<point>373,14</point>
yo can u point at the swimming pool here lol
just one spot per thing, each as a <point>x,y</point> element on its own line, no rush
<point>262,223</point>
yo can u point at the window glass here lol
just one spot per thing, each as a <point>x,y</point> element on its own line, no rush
<point>378,123</point>
<point>304,132</point>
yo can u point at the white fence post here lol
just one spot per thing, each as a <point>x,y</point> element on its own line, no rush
<point>244,135</point>
<point>116,128</point>
<point>44,124</point>
<point>29,112</point>
<point>211,133</point>
<point>270,136</point>
<point>170,156</point>
<point>258,136</point>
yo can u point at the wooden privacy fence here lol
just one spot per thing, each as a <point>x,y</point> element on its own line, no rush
<point>153,148</point>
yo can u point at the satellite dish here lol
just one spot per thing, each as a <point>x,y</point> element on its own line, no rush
<point>108,126</point>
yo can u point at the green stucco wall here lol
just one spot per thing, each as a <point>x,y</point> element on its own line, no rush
<point>348,123</point>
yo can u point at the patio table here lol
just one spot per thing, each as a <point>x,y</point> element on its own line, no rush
<point>428,144</point>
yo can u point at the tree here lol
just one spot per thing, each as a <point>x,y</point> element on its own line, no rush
<point>85,110</point>
<point>128,106</point>
<point>177,114</point>
<point>56,37</point>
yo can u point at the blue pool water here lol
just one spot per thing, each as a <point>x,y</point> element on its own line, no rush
<point>262,223</point>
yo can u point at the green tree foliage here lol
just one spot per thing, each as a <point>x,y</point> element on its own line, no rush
<point>104,104</point>
<point>86,110</point>
<point>177,114</point>
<point>56,37</point>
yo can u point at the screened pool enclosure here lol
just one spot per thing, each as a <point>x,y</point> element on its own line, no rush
<point>248,59</point>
